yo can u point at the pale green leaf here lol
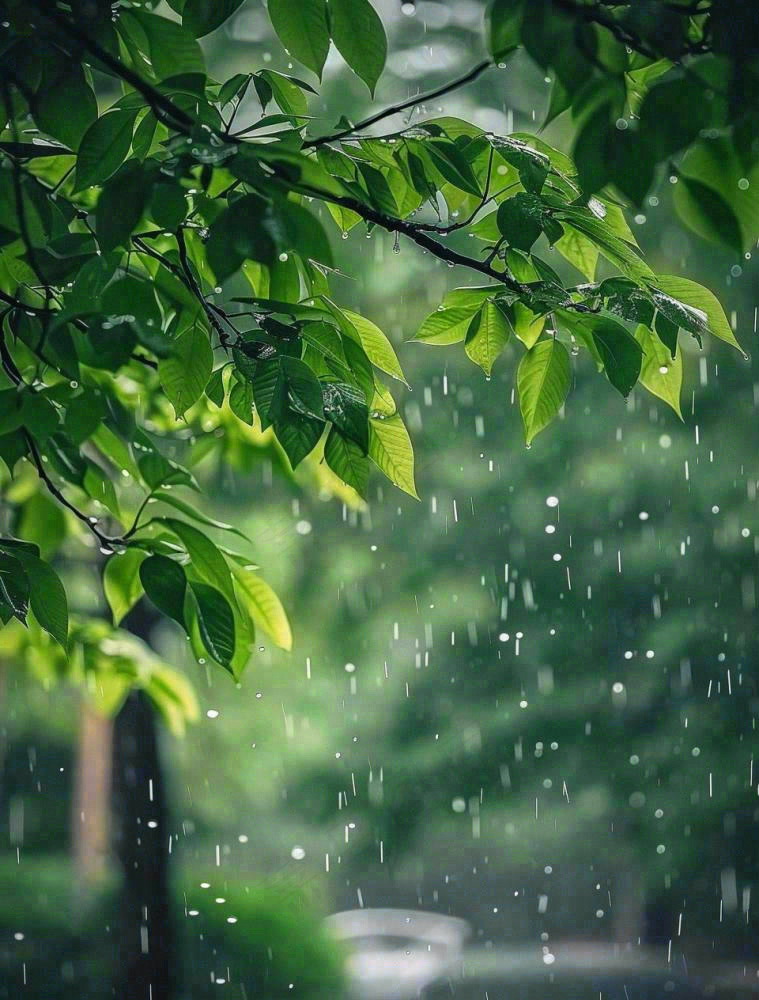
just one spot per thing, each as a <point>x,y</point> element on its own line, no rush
<point>391,451</point>
<point>263,605</point>
<point>543,379</point>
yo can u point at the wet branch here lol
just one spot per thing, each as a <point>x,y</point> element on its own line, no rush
<point>394,109</point>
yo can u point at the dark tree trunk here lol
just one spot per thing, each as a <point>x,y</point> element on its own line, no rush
<point>141,840</point>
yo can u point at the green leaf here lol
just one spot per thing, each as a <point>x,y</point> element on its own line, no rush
<point>165,584</point>
<point>204,16</point>
<point>698,297</point>
<point>488,334</point>
<point>195,514</point>
<point>168,205</point>
<point>504,23</point>
<point>360,38</point>
<point>241,402</point>
<point>378,348</point>
<point>14,586</point>
<point>302,28</point>
<point>621,353</point>
<point>263,606</point>
<point>173,49</point>
<point>347,460</point>
<point>580,251</point>
<point>120,205</point>
<point>391,451</point>
<point>121,582</point>
<point>298,434</point>
<point>452,165</point>
<point>520,220</point>
<point>104,147</point>
<point>345,406</point>
<point>659,373</point>
<point>236,234</point>
<point>445,326</point>
<point>215,621</point>
<point>205,556</point>
<point>65,104</point>
<point>287,94</point>
<point>706,212</point>
<point>47,597</point>
<point>185,373</point>
<point>664,132</point>
<point>543,379</point>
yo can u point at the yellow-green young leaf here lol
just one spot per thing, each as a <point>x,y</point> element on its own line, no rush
<point>445,326</point>
<point>543,379</point>
<point>575,247</point>
<point>360,38</point>
<point>488,334</point>
<point>659,373</point>
<point>185,373</point>
<point>378,348</point>
<point>391,451</point>
<point>693,294</point>
<point>121,582</point>
<point>263,606</point>
<point>345,218</point>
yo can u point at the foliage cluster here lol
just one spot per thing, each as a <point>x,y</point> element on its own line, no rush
<point>166,274</point>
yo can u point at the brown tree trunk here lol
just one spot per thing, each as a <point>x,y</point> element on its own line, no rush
<point>90,820</point>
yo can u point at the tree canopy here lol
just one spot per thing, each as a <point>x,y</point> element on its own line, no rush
<point>169,291</point>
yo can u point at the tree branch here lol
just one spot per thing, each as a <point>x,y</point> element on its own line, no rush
<point>394,109</point>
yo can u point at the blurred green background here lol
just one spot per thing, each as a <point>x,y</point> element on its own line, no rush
<point>528,701</point>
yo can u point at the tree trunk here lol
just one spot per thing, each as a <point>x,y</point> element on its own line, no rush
<point>90,807</point>
<point>141,842</point>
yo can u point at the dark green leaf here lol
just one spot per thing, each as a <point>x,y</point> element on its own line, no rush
<point>165,584</point>
<point>298,435</point>
<point>347,460</point>
<point>215,621</point>
<point>346,407</point>
<point>621,353</point>
<point>302,28</point>
<point>360,38</point>
<point>121,205</point>
<point>104,147</point>
<point>204,16</point>
<point>520,220</point>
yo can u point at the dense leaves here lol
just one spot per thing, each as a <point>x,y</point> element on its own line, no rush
<point>166,273</point>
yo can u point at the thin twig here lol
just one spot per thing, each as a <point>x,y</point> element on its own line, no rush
<point>394,109</point>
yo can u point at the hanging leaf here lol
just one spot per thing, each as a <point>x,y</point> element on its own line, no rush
<point>620,351</point>
<point>359,37</point>
<point>660,373</point>
<point>264,607</point>
<point>391,451</point>
<point>215,621</point>
<point>543,380</point>
<point>488,334</point>
<point>121,582</point>
<point>302,28</point>
<point>47,598</point>
<point>165,584</point>
<point>347,460</point>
